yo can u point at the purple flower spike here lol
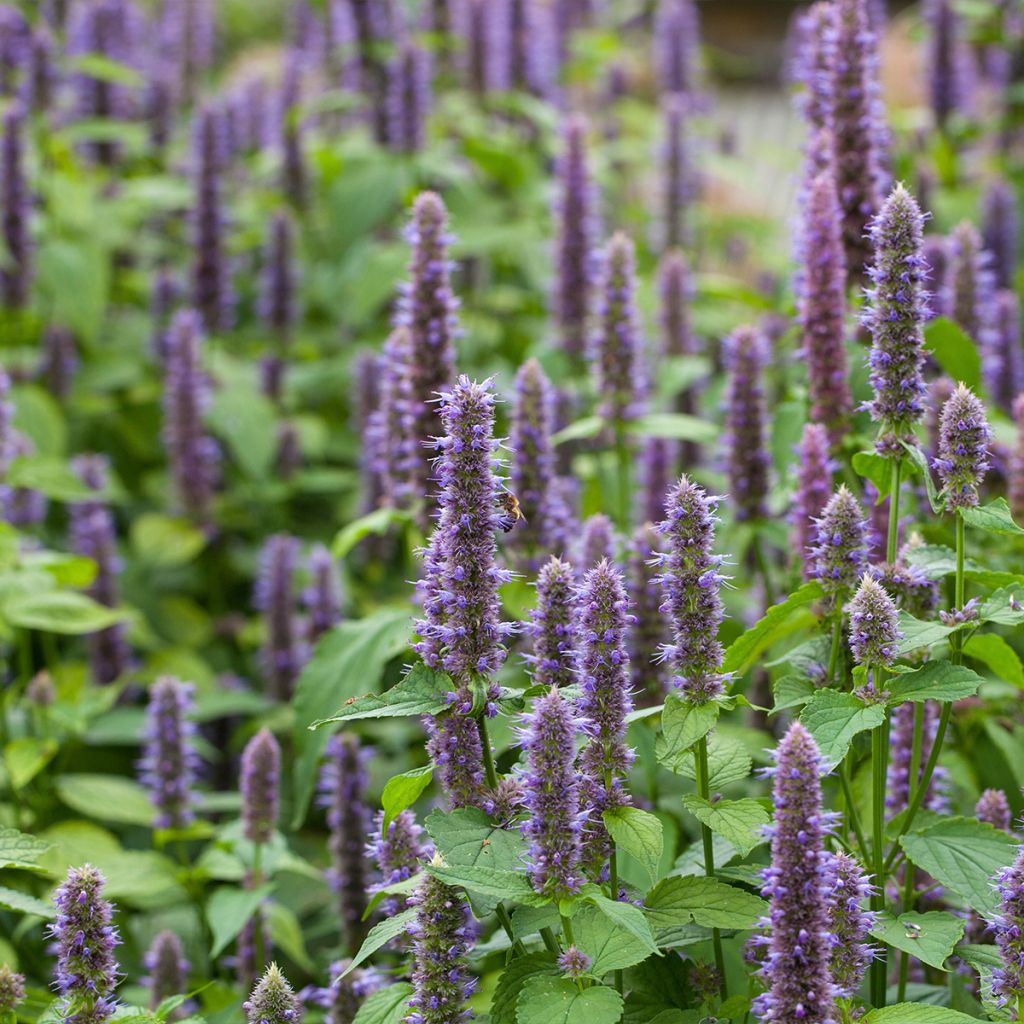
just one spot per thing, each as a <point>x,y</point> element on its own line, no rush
<point>597,541</point>
<point>41,76</point>
<point>397,854</point>
<point>940,391</point>
<point>850,925</point>
<point>323,596</point>
<point>677,43</point>
<point>15,202</point>
<point>409,98</point>
<point>59,361</point>
<point>391,444</point>
<point>168,972</point>
<point>874,634</point>
<point>14,38</point>
<point>427,307</point>
<point>814,63</point>
<point>294,174</point>
<point>85,941</point>
<point>617,349</point>
<point>552,790</point>
<point>277,297</point>
<point>1000,228</point>
<point>746,351</point>
<point>839,553</point>
<point>859,129</point>
<point>187,34</point>
<point>677,174</point>
<point>813,490</point>
<point>994,809</point>
<point>343,784</point>
<point>343,997</point>
<point>823,307</point>
<point>649,632</point>
<point>799,885</point>
<point>962,461</point>
<point>553,625</point>
<point>1003,357</point>
<point>949,72</point>
<point>968,282</point>
<point>897,308</point>
<point>259,780</point>
<point>576,214</point>
<point>657,474</point>
<point>574,963</point>
<point>94,535</point>
<point>169,764</point>
<point>1008,979</point>
<point>675,288</point>
<point>455,748</point>
<point>1015,483</point>
<point>273,1001</point>
<point>690,582</point>
<point>530,33</point>
<point>282,654</point>
<point>443,934</point>
<point>212,293</point>
<point>935,252</point>
<point>12,989</point>
<point>901,753</point>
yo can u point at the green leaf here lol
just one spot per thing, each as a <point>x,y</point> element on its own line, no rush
<point>919,461</point>
<point>954,351</point>
<point>247,421</point>
<point>558,1001</point>
<point>380,935</point>
<point>402,791</point>
<point>608,946</point>
<point>66,569</point>
<point>493,882</point>
<point>512,980</point>
<point>917,634</point>
<point>741,822</point>
<point>708,902</point>
<point>385,1006</point>
<point>467,837</point>
<point>26,757</point>
<point>638,833</point>
<point>876,468</point>
<point>929,937</point>
<point>676,426</point>
<point>228,910</point>
<point>683,723</point>
<point>963,855</point>
<point>50,476</point>
<point>286,935</point>
<point>728,762</point>
<point>1003,606</point>
<point>421,692</point>
<point>791,691</point>
<point>161,541</point>
<point>834,718</point>
<point>375,523</point>
<point>95,65</point>
<point>996,654</point>
<point>11,899</point>
<point>107,798</point>
<point>59,611</point>
<point>625,916</point>
<point>995,517</point>
<point>935,680</point>
<point>742,652</point>
<point>590,426</point>
<point>917,1013</point>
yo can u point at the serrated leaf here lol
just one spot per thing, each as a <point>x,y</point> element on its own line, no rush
<point>106,797</point>
<point>375,523</point>
<point>501,885</point>
<point>228,910</point>
<point>954,351</point>
<point>741,653</point>
<point>559,1001</point>
<point>380,935</point>
<point>385,1006</point>
<point>876,468</point>
<point>728,762</point>
<point>916,634</point>
<point>402,791</point>
<point>791,691</point>
<point>919,461</point>
<point>421,692</point>
<point>741,822</point>
<point>929,937</point>
<point>683,723</point>
<point>467,837</point>
<point>963,855</point>
<point>834,718</point>
<point>638,833</point>
<point>995,653</point>
<point>935,680</point>
<point>11,899</point>
<point>608,946</point>
<point>512,980</point>
<point>709,902</point>
<point>26,757</point>
<point>1004,606</point>
<point>995,517</point>
<point>917,1013</point>
<point>625,916</point>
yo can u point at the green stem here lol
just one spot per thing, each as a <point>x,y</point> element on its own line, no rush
<point>490,771</point>
<point>567,930</point>
<point>762,569</point>
<point>259,952</point>
<point>550,941</point>
<point>956,640</point>
<point>625,477</point>
<point>909,877</point>
<point>506,923</point>
<point>879,753</point>
<point>894,511</point>
<point>837,642</point>
<point>851,809</point>
<point>704,792</point>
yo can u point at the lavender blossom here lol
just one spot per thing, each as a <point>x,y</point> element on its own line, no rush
<point>343,997</point>
<point>838,555</point>
<point>949,80</point>
<point>397,852</point>
<point>874,633</point>
<point>901,745</point>
<point>994,809</point>
<point>1003,358</point>
<point>14,39</point>
<point>552,789</point>
<point>850,925</point>
<point>85,941</point>
<point>259,780</point>
<point>657,474</point>
<point>293,161</point>
<point>677,43</point>
<point>574,963</point>
<point>455,748</point>
<point>962,461</point>
<point>813,491</point>
<point>675,289</point>
<point>690,581</point>
<point>677,174</point>
<point>1000,225</point>
<point>15,201</point>
<point>597,541</point>
<point>897,308</point>
<point>746,352</point>
<point>529,34</point>
<point>553,625</point>
<point>968,281</point>
<point>253,945</point>
<point>485,64</point>
<point>617,348</point>
<point>168,971</point>
<point>277,296</point>
<point>409,96</point>
<point>323,596</point>
<point>443,934</point>
<point>1008,979</point>
<point>814,61</point>
<point>935,252</point>
<point>165,293</point>
<point>940,391</point>
<point>169,764</point>
<point>273,1001</point>
<point>365,415</point>
<point>649,632</point>
<point>282,654</point>
<point>59,361</point>
<point>391,443</point>
<point>12,989</point>
<point>1015,477</point>
<point>374,22</point>
<point>39,86</point>
<point>187,34</point>
<point>799,886</point>
<point>94,535</point>
<point>576,214</point>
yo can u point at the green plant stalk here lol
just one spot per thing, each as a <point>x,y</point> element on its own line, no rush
<point>837,641</point>
<point>550,942</point>
<point>613,875</point>
<point>762,568</point>
<point>704,792</point>
<point>892,541</point>
<point>956,640</point>
<point>624,472</point>
<point>879,759</point>
<point>851,809</point>
<point>257,880</point>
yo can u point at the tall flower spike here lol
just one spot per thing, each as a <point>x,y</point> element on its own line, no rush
<point>273,1001</point>
<point>169,764</point>
<point>259,780</point>
<point>815,61</point>
<point>187,33</point>
<point>575,261</point>
<point>940,391</point>
<point>675,288</point>
<point>427,307</point>
<point>344,995</point>
<point>282,654</point>
<point>949,83</point>
<point>277,296</point>
<point>839,553</point>
<point>617,349</point>
<point>897,308</point>
<point>603,672</point>
<point>690,582</point>
<point>677,43</point>
<point>994,809</point>
<point>553,625</point>
<point>408,98</point>
<point>443,934</point>
<point>397,852</point>
<point>822,307</point>
<point>85,941</point>
<point>1000,224</point>
<point>455,747</point>
<point>813,491</point>
<point>746,352</point>
<point>968,281</point>
<point>322,597</point>
<point>874,633</point>
<point>1003,357</point>
<point>59,361</point>
<point>649,632</point>
<point>935,252</point>
<point>12,989</point>
<point>1008,978</point>
<point>597,541</point>
<point>94,535</point>
<point>293,160</point>
<point>677,182</point>
<point>799,886</point>
<point>15,202</point>
<point>962,461</point>
<point>858,132</point>
<point>343,787</point>
<point>529,35</point>
<point>366,389</point>
<point>850,924</point>
<point>212,294</point>
<point>374,27</point>
<point>901,756</point>
<point>168,971</point>
<point>657,474</point>
<point>1015,482</point>
<point>552,792</point>
<point>391,442</point>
